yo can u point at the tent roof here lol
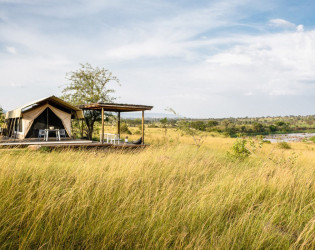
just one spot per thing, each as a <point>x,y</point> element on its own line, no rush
<point>16,113</point>
<point>115,107</point>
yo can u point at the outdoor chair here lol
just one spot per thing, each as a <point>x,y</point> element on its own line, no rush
<point>62,133</point>
<point>42,133</point>
<point>115,138</point>
<point>139,141</point>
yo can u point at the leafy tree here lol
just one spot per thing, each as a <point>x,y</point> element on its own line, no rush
<point>212,123</point>
<point>197,136</point>
<point>164,122</point>
<point>124,128</point>
<point>89,85</point>
<point>272,128</point>
<point>199,125</point>
<point>1,115</point>
<point>258,127</point>
<point>280,123</point>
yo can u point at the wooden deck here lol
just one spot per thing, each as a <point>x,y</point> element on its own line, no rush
<point>67,144</point>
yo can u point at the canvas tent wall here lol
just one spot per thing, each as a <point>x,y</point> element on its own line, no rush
<point>26,121</point>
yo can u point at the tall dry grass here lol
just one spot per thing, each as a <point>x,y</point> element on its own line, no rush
<point>170,195</point>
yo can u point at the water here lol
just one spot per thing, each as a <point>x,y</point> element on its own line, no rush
<point>289,137</point>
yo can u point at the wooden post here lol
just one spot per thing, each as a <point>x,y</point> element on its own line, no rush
<point>102,136</point>
<point>118,124</point>
<point>10,127</point>
<point>142,126</point>
<point>14,129</point>
<point>82,128</point>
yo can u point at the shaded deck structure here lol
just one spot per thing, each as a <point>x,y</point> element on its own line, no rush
<point>119,108</point>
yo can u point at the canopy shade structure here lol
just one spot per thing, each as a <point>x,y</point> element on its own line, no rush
<point>116,107</point>
<point>26,121</point>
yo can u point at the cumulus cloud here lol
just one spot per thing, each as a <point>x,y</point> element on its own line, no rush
<point>11,50</point>
<point>184,58</point>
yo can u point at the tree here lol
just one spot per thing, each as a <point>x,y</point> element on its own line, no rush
<point>212,123</point>
<point>164,124</point>
<point>197,136</point>
<point>258,127</point>
<point>1,115</point>
<point>89,85</point>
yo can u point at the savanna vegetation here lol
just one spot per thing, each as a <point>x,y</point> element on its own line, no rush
<point>223,194</point>
<point>232,127</point>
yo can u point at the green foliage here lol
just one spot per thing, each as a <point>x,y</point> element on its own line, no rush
<point>164,121</point>
<point>89,85</point>
<point>258,127</point>
<point>212,123</point>
<point>164,124</point>
<point>312,139</point>
<point>283,145</point>
<point>1,115</point>
<point>272,128</point>
<point>199,125</point>
<point>124,128</point>
<point>239,149</point>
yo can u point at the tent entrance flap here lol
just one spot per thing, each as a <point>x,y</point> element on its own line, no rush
<point>45,120</point>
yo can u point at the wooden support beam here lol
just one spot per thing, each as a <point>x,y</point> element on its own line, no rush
<point>14,128</point>
<point>142,126</point>
<point>118,124</point>
<point>82,128</point>
<point>102,136</point>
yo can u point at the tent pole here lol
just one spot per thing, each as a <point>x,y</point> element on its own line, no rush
<point>102,136</point>
<point>10,127</point>
<point>142,126</point>
<point>14,128</point>
<point>82,135</point>
<point>118,125</point>
<point>47,118</point>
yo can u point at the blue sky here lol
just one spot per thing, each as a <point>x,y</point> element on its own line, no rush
<point>227,58</point>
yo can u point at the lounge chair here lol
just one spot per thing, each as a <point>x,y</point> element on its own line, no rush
<point>139,141</point>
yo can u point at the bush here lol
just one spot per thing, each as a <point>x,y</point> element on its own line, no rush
<point>312,139</point>
<point>124,128</point>
<point>283,145</point>
<point>239,149</point>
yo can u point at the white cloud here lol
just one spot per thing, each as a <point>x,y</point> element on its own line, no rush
<point>11,50</point>
<point>183,59</point>
<point>281,23</point>
<point>300,28</point>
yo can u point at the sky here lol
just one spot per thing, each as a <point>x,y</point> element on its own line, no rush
<point>204,59</point>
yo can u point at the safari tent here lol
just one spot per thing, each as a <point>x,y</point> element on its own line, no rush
<point>26,121</point>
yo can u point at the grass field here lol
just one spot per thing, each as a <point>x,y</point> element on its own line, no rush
<point>170,195</point>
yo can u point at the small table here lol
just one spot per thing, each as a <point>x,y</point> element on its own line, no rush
<point>53,130</point>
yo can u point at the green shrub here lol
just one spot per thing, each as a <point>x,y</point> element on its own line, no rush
<point>124,128</point>
<point>283,145</point>
<point>312,139</point>
<point>239,149</point>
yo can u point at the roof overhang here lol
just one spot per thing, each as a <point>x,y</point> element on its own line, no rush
<point>17,113</point>
<point>115,107</point>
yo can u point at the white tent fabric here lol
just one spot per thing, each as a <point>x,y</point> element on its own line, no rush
<point>29,117</point>
<point>17,113</point>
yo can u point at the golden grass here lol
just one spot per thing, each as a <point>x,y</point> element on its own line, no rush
<point>170,195</point>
